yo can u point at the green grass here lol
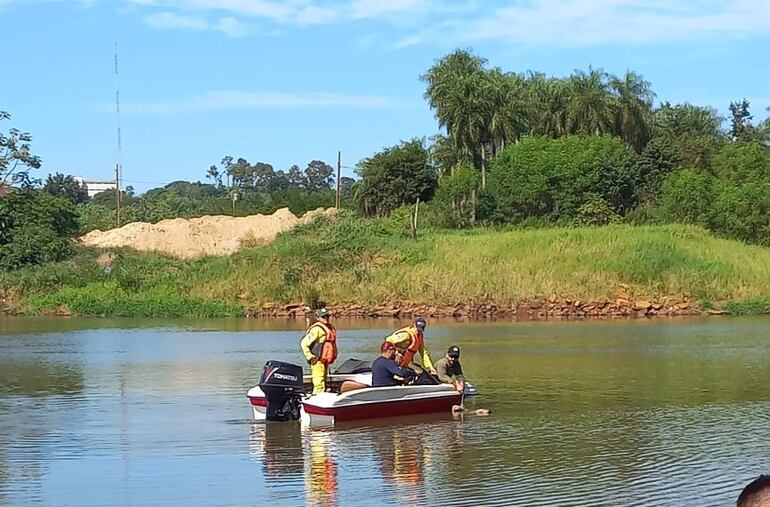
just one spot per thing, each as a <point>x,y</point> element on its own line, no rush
<point>369,262</point>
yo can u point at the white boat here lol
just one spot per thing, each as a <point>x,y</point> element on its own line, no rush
<point>281,395</point>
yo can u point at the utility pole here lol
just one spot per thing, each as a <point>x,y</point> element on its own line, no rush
<point>117,194</point>
<point>339,166</point>
<point>117,121</point>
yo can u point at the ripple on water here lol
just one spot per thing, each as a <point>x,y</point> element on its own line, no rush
<point>158,417</point>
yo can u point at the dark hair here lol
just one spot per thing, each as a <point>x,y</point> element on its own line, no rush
<point>754,492</point>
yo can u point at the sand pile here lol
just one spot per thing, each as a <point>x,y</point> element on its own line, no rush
<point>196,237</point>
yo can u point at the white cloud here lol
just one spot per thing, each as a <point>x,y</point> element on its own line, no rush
<point>313,15</point>
<point>228,25</point>
<point>231,26</point>
<point>233,99</point>
<point>411,40</point>
<point>556,23</point>
<point>590,22</point>
<point>374,8</point>
<point>176,21</point>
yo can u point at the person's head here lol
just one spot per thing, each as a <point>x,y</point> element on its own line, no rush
<point>453,354</point>
<point>756,493</point>
<point>322,314</point>
<point>388,350</point>
<point>419,324</point>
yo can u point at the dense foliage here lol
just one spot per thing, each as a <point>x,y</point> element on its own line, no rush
<point>555,179</point>
<point>591,148</point>
<point>393,177</point>
<point>35,227</point>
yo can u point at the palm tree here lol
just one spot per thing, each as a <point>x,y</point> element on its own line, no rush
<point>458,92</point>
<point>590,106</point>
<point>548,105</point>
<point>509,109</point>
<point>446,156</point>
<point>633,109</point>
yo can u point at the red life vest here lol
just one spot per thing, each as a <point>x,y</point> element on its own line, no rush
<point>325,351</point>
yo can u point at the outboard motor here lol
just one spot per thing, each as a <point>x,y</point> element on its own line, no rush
<point>282,385</point>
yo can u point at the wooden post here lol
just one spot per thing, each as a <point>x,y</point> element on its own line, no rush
<point>339,166</point>
<point>117,194</point>
<point>414,219</point>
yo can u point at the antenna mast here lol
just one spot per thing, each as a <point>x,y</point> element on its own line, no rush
<point>117,119</point>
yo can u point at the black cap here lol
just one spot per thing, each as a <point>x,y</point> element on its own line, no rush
<point>454,351</point>
<point>419,323</point>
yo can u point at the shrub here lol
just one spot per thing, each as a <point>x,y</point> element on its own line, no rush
<point>554,178</point>
<point>687,196</point>
<point>35,227</point>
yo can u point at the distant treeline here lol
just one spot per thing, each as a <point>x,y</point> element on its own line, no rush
<point>518,149</point>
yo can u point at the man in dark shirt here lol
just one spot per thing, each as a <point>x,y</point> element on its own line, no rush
<point>449,369</point>
<point>385,369</point>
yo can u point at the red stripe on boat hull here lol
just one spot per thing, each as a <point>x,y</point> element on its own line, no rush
<point>386,409</point>
<point>258,402</point>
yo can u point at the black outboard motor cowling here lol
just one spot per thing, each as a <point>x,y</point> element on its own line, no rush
<point>282,385</point>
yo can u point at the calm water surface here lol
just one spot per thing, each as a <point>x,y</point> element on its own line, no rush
<point>104,412</point>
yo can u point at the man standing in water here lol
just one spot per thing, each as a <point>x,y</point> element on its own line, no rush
<point>412,339</point>
<point>319,346</point>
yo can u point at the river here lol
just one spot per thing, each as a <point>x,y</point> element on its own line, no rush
<point>146,412</point>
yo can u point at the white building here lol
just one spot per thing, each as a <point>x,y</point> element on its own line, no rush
<point>93,187</point>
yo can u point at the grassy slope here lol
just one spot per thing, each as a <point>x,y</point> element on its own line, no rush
<point>357,261</point>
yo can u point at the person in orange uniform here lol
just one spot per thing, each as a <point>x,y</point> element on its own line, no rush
<point>411,338</point>
<point>319,346</point>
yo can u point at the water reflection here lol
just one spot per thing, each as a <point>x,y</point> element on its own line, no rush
<point>28,390</point>
<point>321,479</point>
<point>648,413</point>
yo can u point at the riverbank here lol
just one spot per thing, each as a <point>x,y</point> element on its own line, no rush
<point>371,268</point>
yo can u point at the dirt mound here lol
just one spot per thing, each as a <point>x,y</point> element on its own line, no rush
<point>196,237</point>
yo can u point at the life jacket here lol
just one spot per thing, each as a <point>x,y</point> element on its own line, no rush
<point>415,343</point>
<point>325,351</point>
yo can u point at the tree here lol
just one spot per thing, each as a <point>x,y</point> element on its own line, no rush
<point>548,100</point>
<point>107,199</point>
<point>214,174</point>
<point>67,187</point>
<point>589,110</point>
<point>446,156</point>
<point>510,109</point>
<point>394,177</point>
<point>241,173</point>
<point>296,177</point>
<point>687,196</point>
<point>695,131</point>
<point>279,181</point>
<point>457,194</point>
<point>633,109</point>
<point>549,178</point>
<point>659,159</point>
<point>319,176</point>
<point>743,211</point>
<point>459,90</point>
<point>35,227</point>
<point>16,160</point>
<point>741,128</point>
<point>347,188</point>
<point>263,175</point>
<point>741,163</point>
<point>227,162</point>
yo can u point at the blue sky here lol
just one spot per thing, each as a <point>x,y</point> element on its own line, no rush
<point>285,82</point>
